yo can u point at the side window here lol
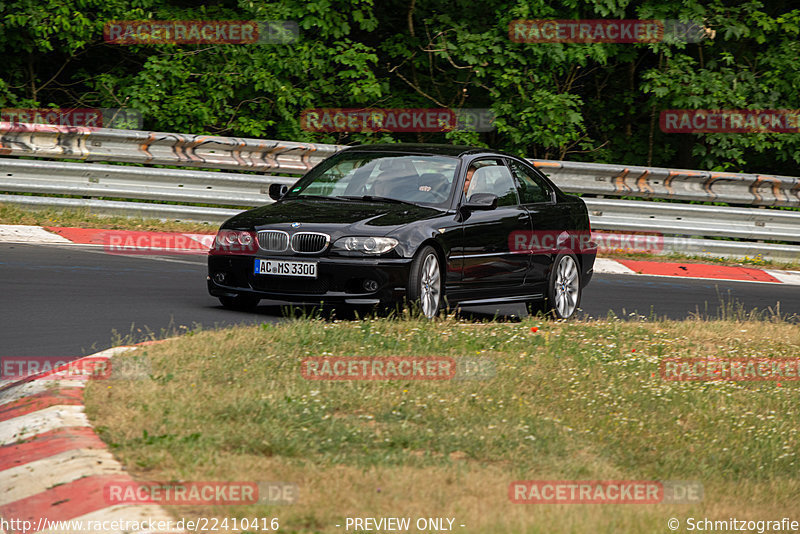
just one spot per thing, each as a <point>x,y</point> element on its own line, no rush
<point>532,188</point>
<point>492,176</point>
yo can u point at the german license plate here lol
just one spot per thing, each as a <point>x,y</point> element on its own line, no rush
<point>307,269</point>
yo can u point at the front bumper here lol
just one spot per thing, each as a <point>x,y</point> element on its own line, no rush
<point>339,280</point>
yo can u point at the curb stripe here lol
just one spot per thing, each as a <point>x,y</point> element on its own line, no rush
<point>607,266</point>
<point>32,424</point>
<point>696,271</point>
<point>699,270</point>
<point>55,374</point>
<point>66,501</point>
<point>135,241</point>
<point>48,444</point>
<point>53,467</point>
<point>40,401</point>
<point>26,388</point>
<point>787,277</point>
<point>18,233</point>
<point>37,477</point>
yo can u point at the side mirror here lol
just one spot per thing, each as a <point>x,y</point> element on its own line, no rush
<point>480,201</point>
<point>277,191</point>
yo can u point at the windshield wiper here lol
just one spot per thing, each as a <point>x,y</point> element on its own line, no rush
<point>370,198</point>
<point>324,197</point>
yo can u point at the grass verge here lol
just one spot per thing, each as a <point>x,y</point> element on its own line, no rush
<point>571,401</point>
<point>83,218</point>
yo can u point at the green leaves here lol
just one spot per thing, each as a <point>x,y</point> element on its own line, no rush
<point>597,102</point>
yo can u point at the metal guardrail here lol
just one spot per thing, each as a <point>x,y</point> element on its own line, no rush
<point>241,154</point>
<point>698,220</point>
<point>673,184</point>
<point>229,189</point>
<point>129,182</point>
<point>158,148</point>
<point>219,189</point>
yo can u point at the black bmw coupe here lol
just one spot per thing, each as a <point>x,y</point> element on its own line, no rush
<point>435,225</point>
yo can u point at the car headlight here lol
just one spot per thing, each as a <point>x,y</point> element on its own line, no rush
<point>364,245</point>
<point>234,242</point>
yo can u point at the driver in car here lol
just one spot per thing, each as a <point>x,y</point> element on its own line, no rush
<point>470,172</point>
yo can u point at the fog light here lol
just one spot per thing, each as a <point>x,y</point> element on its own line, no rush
<point>219,278</point>
<point>370,285</point>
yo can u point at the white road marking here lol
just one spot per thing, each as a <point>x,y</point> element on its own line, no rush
<point>787,277</point>
<point>16,233</point>
<point>606,266</point>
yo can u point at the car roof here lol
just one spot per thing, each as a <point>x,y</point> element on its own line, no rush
<point>424,148</point>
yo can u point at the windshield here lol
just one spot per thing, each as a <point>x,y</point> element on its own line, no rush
<point>417,179</point>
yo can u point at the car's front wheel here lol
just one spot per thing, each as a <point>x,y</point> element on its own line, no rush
<point>425,288</point>
<point>240,302</point>
<point>564,286</point>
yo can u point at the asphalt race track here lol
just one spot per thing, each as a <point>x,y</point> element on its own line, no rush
<point>70,300</point>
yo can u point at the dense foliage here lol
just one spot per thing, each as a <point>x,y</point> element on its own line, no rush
<point>592,102</point>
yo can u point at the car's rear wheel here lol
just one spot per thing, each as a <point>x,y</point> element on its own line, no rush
<point>425,282</point>
<point>240,302</point>
<point>564,287</point>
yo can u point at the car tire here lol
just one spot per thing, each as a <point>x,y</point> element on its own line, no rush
<point>563,287</point>
<point>240,302</point>
<point>425,285</point>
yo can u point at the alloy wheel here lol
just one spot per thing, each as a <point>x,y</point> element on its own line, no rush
<point>566,287</point>
<point>430,286</point>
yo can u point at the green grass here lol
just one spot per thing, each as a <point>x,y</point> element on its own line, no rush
<point>84,218</point>
<point>579,400</point>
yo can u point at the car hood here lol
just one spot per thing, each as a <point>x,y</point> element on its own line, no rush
<point>373,218</point>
